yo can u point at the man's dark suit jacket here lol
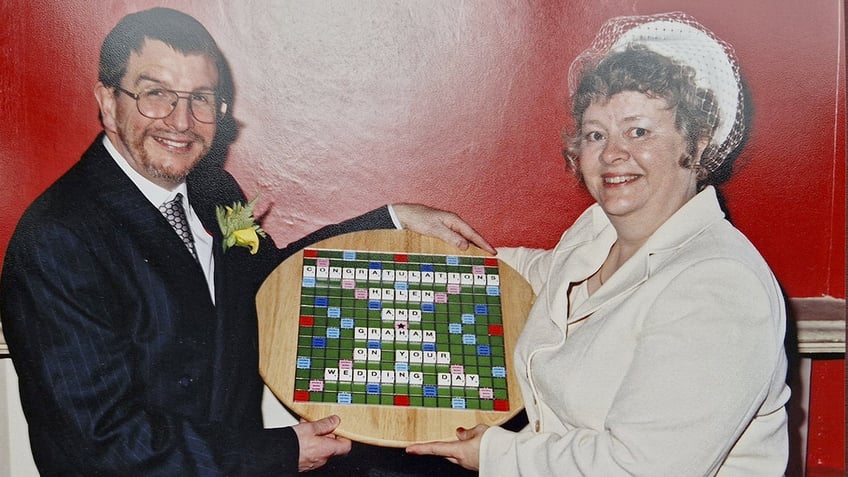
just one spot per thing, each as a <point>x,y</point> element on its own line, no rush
<point>126,366</point>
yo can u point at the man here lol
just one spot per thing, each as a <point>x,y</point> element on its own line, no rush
<point>136,348</point>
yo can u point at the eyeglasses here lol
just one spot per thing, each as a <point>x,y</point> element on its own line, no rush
<point>158,103</point>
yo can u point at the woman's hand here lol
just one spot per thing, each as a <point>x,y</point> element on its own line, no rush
<point>440,223</point>
<point>465,451</point>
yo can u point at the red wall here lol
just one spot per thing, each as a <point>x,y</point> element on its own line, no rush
<point>349,105</point>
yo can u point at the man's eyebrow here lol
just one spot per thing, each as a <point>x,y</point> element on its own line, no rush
<point>150,79</point>
<point>143,78</point>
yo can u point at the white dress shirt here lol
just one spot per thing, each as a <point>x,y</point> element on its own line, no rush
<point>157,196</point>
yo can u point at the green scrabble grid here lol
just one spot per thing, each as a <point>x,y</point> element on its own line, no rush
<point>329,315</point>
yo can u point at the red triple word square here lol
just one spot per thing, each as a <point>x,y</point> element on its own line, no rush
<point>307,321</point>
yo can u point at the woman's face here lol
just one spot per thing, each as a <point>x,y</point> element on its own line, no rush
<point>630,159</point>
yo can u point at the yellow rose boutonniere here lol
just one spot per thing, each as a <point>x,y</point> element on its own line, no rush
<point>238,226</point>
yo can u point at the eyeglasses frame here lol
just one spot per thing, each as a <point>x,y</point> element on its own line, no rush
<point>220,111</point>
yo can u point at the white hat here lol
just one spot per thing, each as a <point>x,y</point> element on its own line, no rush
<point>685,41</point>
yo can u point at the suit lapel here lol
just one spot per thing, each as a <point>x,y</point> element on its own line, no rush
<point>149,231</point>
<point>205,194</point>
<point>227,323</point>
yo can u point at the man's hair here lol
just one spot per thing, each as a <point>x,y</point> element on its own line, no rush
<point>654,75</point>
<point>178,30</point>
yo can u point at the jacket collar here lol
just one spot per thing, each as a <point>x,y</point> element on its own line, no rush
<point>588,242</point>
<point>119,197</point>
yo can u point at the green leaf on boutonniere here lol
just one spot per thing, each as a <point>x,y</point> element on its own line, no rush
<point>238,226</point>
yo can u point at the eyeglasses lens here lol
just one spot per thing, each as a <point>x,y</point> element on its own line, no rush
<point>158,103</point>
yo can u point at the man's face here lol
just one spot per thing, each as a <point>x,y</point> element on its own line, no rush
<point>162,150</point>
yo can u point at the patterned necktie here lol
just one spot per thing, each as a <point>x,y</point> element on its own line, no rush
<point>175,213</point>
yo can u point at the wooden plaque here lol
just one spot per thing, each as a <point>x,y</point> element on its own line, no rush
<point>383,421</point>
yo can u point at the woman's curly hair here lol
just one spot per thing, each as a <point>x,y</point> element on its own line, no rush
<point>639,69</point>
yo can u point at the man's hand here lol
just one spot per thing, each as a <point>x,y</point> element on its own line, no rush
<point>440,223</point>
<point>318,443</point>
<point>465,451</point>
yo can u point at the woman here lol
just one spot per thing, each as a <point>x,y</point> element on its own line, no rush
<point>655,346</point>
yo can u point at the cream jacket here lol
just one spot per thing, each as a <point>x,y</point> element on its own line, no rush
<point>674,367</point>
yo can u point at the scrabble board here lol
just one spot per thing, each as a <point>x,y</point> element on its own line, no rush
<point>401,329</point>
<point>411,331</point>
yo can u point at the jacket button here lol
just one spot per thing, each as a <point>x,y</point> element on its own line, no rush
<point>538,426</point>
<point>185,381</point>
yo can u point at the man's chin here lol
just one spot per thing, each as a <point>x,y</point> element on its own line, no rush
<point>171,176</point>
<point>173,168</point>
<point>174,180</point>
